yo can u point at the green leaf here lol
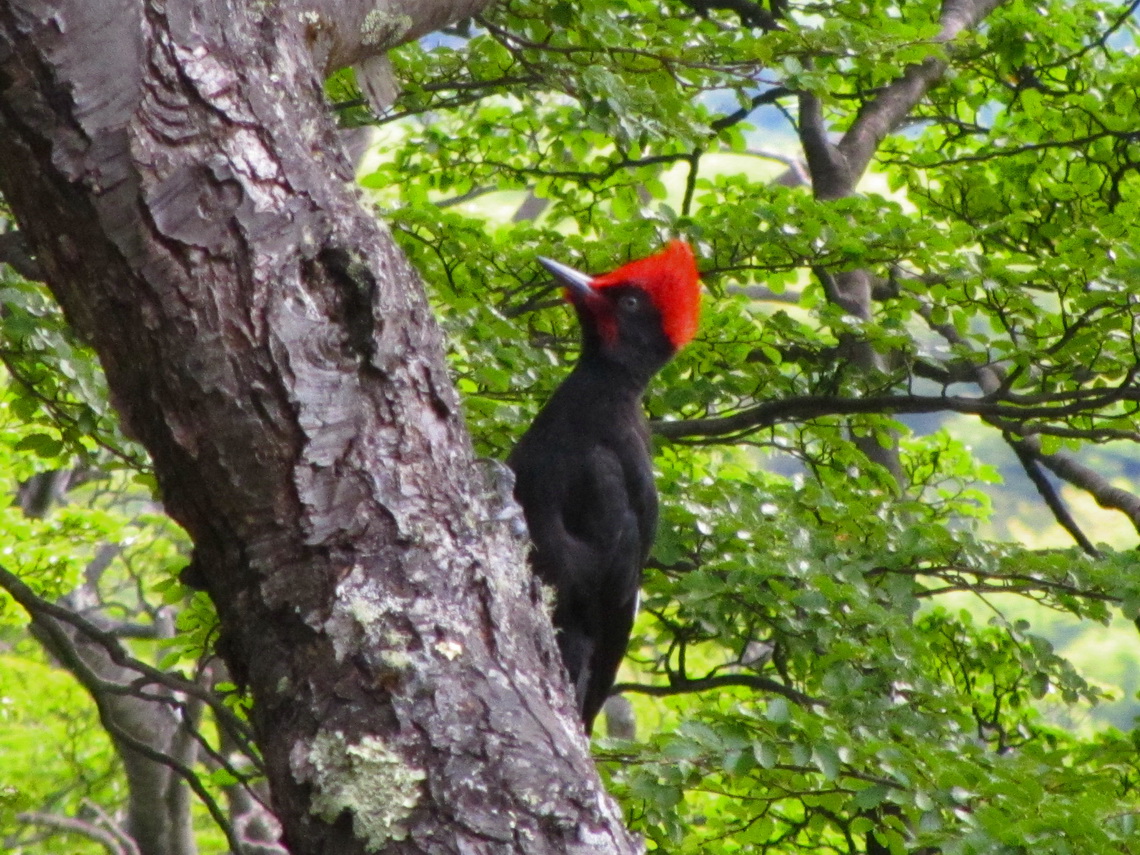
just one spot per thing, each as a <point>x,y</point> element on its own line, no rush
<point>777,711</point>
<point>870,797</point>
<point>42,444</point>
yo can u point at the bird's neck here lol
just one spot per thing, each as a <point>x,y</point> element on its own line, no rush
<point>625,376</point>
<point>608,382</point>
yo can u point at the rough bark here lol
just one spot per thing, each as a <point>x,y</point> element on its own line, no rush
<point>176,175</point>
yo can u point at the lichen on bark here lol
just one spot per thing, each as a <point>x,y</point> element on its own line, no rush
<point>369,780</point>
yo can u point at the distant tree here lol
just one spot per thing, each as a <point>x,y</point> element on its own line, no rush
<point>917,226</point>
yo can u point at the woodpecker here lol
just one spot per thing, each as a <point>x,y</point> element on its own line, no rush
<point>583,473</point>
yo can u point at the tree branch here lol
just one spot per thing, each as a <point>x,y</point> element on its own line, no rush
<point>831,174</point>
<point>344,32</point>
<point>703,684</point>
<point>769,413</point>
<point>992,381</point>
<point>38,607</point>
<point>768,96</point>
<point>1066,467</point>
<point>61,646</point>
<point>882,114</point>
<point>1029,462</point>
<point>115,844</point>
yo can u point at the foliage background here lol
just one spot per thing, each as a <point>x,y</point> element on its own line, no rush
<point>863,627</point>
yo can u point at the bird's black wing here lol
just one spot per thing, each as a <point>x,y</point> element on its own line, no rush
<point>614,613</point>
<point>591,511</point>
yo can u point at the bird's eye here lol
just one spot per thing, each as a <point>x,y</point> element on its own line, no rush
<point>630,302</point>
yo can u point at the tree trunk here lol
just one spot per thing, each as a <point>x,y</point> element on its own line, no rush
<point>174,169</point>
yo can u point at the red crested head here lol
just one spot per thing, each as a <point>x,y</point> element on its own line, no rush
<point>671,280</point>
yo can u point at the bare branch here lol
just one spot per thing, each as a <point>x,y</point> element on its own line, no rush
<point>831,174</point>
<point>116,844</point>
<point>125,840</point>
<point>768,96</point>
<point>1029,462</point>
<point>770,413</point>
<point>61,646</point>
<point>36,606</point>
<point>748,681</point>
<point>890,107</point>
<point>1065,466</point>
<point>344,32</point>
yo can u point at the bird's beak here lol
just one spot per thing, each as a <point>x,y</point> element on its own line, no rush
<point>575,280</point>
